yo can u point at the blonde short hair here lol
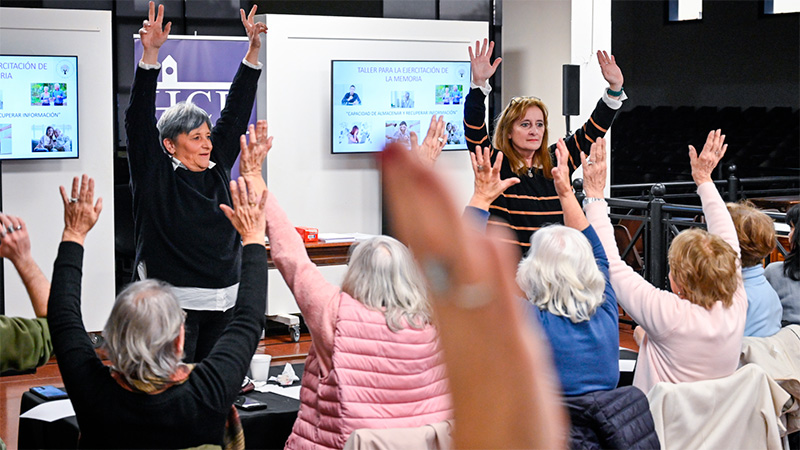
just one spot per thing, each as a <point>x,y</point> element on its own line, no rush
<point>756,232</point>
<point>705,266</point>
<point>516,110</point>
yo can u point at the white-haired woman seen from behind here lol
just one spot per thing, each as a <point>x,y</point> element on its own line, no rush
<point>374,360</point>
<point>565,277</point>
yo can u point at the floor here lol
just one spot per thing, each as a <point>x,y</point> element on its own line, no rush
<point>282,349</point>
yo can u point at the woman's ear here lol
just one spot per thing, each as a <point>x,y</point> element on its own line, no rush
<point>180,340</point>
<point>169,145</point>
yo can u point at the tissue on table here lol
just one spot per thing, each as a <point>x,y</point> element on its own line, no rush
<point>287,377</point>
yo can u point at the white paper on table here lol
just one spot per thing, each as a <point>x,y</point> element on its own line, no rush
<point>291,391</point>
<point>50,411</point>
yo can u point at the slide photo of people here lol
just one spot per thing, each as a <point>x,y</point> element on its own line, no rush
<point>5,138</point>
<point>51,138</point>
<point>48,94</point>
<point>449,94</point>
<point>350,92</point>
<point>400,131</point>
<point>455,133</point>
<point>354,133</point>
<point>402,99</point>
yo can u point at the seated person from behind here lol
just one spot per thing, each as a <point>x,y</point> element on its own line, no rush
<point>784,276</point>
<point>374,360</point>
<point>565,278</point>
<point>148,398</point>
<point>756,233</point>
<point>694,332</point>
<point>24,343</point>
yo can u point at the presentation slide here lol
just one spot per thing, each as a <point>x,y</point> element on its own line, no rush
<point>38,107</point>
<point>375,103</point>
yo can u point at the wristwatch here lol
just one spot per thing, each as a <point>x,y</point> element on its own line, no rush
<point>588,200</point>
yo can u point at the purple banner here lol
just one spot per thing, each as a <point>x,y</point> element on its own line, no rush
<point>196,70</point>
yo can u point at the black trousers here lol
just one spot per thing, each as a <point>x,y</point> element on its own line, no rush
<point>203,329</point>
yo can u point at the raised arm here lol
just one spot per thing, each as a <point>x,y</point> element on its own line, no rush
<point>15,245</point>
<point>604,112</point>
<point>573,214</point>
<point>80,367</point>
<point>475,129</point>
<point>717,217</point>
<point>252,154</point>
<point>226,365</point>
<point>472,292</point>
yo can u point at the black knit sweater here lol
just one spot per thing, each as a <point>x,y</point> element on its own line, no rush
<point>181,234</point>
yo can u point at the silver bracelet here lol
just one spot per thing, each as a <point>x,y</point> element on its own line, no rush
<point>588,200</point>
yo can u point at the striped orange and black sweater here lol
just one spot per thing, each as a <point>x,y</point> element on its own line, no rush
<point>533,203</point>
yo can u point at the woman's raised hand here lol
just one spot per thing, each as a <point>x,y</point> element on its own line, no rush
<point>487,185</point>
<point>253,30</point>
<point>253,153</point>
<point>611,71</point>
<point>482,68</point>
<point>705,163</point>
<point>594,169</point>
<point>247,214</point>
<point>561,178</point>
<point>80,210</point>
<point>153,33</point>
<point>432,145</point>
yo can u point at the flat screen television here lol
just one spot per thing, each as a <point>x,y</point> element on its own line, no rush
<point>38,107</point>
<point>374,103</point>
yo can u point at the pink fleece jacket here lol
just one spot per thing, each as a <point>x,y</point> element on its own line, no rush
<point>684,342</point>
<point>359,373</point>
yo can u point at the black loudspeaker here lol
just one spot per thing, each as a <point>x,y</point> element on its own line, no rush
<point>571,88</point>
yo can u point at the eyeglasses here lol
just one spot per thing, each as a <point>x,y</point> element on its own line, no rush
<point>523,98</point>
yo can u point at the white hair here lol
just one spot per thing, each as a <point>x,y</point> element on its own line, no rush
<point>142,329</point>
<point>383,276</point>
<point>559,274</point>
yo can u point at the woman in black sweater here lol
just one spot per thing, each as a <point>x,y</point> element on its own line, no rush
<point>180,170</point>
<point>148,398</point>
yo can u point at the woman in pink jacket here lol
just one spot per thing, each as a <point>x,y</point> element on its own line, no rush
<point>374,360</point>
<point>694,332</point>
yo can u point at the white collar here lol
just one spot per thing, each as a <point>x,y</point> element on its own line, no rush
<point>177,163</point>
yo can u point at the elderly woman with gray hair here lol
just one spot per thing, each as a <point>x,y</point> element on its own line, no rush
<point>182,237</point>
<point>148,398</point>
<point>565,278</point>
<point>374,360</point>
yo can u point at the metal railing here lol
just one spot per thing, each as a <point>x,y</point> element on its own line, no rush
<point>653,223</point>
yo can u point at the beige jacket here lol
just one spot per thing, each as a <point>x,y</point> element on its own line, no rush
<point>738,411</point>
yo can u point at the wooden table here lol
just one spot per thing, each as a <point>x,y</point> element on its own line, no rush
<point>782,202</point>
<point>323,254</point>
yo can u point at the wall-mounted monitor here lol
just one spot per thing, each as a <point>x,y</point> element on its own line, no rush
<point>38,107</point>
<point>374,103</point>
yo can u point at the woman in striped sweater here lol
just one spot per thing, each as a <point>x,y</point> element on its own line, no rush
<point>521,134</point>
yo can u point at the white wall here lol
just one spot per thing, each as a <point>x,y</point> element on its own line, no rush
<point>30,188</point>
<point>339,193</point>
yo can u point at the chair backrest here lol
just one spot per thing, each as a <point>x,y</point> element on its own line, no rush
<point>633,257</point>
<point>435,436</point>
